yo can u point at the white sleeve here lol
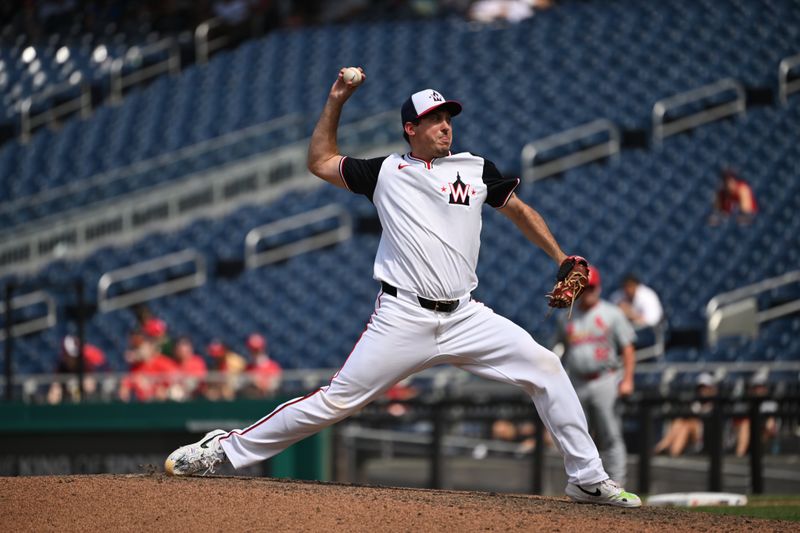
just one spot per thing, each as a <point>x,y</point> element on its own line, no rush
<point>649,305</point>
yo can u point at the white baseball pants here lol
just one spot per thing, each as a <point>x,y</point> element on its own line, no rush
<point>403,338</point>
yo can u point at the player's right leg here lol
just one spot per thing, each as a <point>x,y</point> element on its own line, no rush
<point>398,341</point>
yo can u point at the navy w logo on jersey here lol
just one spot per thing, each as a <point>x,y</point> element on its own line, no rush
<point>459,191</point>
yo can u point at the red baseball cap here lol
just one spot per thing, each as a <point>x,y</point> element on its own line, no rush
<point>594,277</point>
<point>256,342</point>
<point>216,349</point>
<point>154,327</point>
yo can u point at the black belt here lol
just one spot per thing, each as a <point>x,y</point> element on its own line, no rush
<point>445,306</point>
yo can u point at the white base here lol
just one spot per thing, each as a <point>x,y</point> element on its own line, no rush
<point>695,499</point>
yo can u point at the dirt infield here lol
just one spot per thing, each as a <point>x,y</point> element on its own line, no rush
<point>156,502</point>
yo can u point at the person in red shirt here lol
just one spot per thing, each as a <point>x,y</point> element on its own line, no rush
<point>734,196</point>
<point>151,373</point>
<point>264,372</point>
<point>191,367</point>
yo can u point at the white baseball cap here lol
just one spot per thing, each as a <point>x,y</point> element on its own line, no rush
<point>421,103</point>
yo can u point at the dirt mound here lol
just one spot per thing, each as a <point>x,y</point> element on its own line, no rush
<point>156,502</point>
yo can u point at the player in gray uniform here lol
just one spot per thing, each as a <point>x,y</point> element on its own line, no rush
<point>429,203</point>
<point>599,358</point>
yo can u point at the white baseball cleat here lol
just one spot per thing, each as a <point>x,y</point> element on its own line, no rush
<point>201,456</point>
<point>606,492</point>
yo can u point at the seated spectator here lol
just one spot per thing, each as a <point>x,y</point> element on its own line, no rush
<point>487,11</point>
<point>156,329</point>
<point>264,372</point>
<point>638,302</point>
<point>151,373</point>
<point>230,365</point>
<point>93,358</point>
<point>757,388</point>
<point>685,431</point>
<point>191,367</point>
<point>734,197</point>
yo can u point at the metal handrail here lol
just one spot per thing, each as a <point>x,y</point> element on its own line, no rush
<point>30,121</point>
<point>253,258</point>
<point>33,325</point>
<point>172,64</point>
<point>662,130</point>
<point>107,303</point>
<point>715,308</point>
<point>750,290</point>
<point>532,150</point>
<point>786,87</point>
<point>202,45</point>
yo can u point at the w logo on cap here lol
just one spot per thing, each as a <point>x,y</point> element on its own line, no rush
<point>436,97</point>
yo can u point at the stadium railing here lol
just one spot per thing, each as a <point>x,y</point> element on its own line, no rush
<point>108,300</point>
<point>704,105</point>
<point>590,149</point>
<point>736,312</point>
<point>786,83</point>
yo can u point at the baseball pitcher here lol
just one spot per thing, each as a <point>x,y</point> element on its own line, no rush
<point>429,202</point>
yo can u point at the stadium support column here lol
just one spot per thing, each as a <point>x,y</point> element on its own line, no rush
<point>645,445</point>
<point>715,446</point>
<point>756,446</point>
<point>537,461</point>
<point>81,321</point>
<point>9,342</point>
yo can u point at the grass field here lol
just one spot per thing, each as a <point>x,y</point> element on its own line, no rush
<point>777,507</point>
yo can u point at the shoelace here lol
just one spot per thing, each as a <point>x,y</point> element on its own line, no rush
<point>210,460</point>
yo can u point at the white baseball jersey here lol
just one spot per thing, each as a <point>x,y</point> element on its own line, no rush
<point>431,217</point>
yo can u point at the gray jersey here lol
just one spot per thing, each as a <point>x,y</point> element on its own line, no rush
<point>595,338</point>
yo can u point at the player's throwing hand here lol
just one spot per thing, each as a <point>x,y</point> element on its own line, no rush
<point>347,82</point>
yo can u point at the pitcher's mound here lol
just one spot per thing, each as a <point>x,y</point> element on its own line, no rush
<point>156,502</point>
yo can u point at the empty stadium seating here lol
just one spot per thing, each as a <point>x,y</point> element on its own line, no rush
<point>644,211</point>
<point>557,70</point>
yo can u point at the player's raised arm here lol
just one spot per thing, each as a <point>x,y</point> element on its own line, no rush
<point>323,152</point>
<point>533,226</point>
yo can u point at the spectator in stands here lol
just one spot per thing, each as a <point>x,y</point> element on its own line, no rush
<point>230,366</point>
<point>232,12</point>
<point>54,15</point>
<point>191,368</point>
<point>93,358</point>
<point>522,433</point>
<point>487,11</point>
<point>265,373</point>
<point>151,373</point>
<point>734,197</point>
<point>688,431</point>
<point>638,302</point>
<point>156,329</point>
<point>757,388</point>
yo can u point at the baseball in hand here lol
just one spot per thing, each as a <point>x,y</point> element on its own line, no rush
<point>352,75</point>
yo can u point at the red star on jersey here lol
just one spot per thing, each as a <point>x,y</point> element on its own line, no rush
<point>474,192</point>
<point>444,188</point>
